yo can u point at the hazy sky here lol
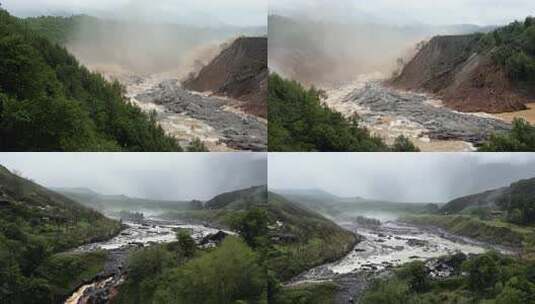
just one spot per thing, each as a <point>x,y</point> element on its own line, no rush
<point>171,176</point>
<point>204,12</point>
<point>419,177</point>
<point>480,12</point>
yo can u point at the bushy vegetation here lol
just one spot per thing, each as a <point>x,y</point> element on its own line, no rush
<point>36,225</point>
<point>298,121</point>
<point>520,139</point>
<point>49,102</point>
<point>519,204</point>
<point>230,273</point>
<point>490,231</point>
<point>489,278</point>
<point>513,47</point>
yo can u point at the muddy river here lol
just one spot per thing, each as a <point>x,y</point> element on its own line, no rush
<point>389,113</point>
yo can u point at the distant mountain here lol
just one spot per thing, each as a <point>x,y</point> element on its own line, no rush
<point>238,200</point>
<point>112,204</point>
<point>240,71</point>
<point>334,206</point>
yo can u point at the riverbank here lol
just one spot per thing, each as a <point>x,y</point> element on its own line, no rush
<point>101,284</point>
<point>494,233</point>
<point>383,249</point>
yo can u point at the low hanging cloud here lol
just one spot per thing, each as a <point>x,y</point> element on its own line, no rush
<point>401,177</point>
<point>193,12</point>
<point>166,176</point>
<point>479,12</point>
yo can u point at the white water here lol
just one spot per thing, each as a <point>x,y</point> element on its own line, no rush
<point>390,245</point>
<point>395,250</point>
<point>149,234</point>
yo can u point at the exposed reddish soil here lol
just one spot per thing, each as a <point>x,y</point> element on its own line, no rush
<point>240,72</point>
<point>467,81</point>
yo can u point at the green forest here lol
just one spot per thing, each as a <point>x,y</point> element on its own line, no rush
<point>513,47</point>
<point>490,278</point>
<point>36,227</point>
<point>520,139</point>
<point>299,122</point>
<point>49,102</point>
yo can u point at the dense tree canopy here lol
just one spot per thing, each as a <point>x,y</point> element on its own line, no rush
<point>513,47</point>
<point>49,102</point>
<point>489,278</point>
<point>520,139</point>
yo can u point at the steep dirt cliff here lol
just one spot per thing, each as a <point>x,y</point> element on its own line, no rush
<point>239,71</point>
<point>466,79</point>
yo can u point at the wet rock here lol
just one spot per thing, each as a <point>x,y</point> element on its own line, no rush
<point>416,243</point>
<point>215,238</point>
<point>238,131</point>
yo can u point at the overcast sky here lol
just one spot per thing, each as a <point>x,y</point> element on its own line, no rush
<point>480,12</point>
<point>168,176</point>
<point>203,12</point>
<point>401,177</point>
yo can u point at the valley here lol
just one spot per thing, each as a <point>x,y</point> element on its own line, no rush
<point>134,236</point>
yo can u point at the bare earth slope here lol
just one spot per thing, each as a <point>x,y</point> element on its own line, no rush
<point>240,72</point>
<point>465,79</point>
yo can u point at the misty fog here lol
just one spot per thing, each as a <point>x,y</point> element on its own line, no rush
<point>326,43</point>
<point>159,176</point>
<point>124,37</point>
<point>429,177</point>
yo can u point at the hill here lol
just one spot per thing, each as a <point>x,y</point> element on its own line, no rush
<point>239,71</point>
<point>514,201</point>
<point>301,237</point>
<point>503,216</point>
<point>49,102</point>
<point>36,225</point>
<point>491,72</point>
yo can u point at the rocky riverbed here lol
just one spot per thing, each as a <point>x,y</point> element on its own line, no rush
<point>152,231</point>
<point>188,115</point>
<point>389,113</point>
<point>383,248</point>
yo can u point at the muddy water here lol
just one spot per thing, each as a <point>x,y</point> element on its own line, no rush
<point>528,115</point>
<point>389,113</point>
<point>187,115</point>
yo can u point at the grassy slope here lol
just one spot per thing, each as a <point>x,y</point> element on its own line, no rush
<point>311,238</point>
<point>491,231</point>
<point>67,271</point>
<point>36,225</point>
